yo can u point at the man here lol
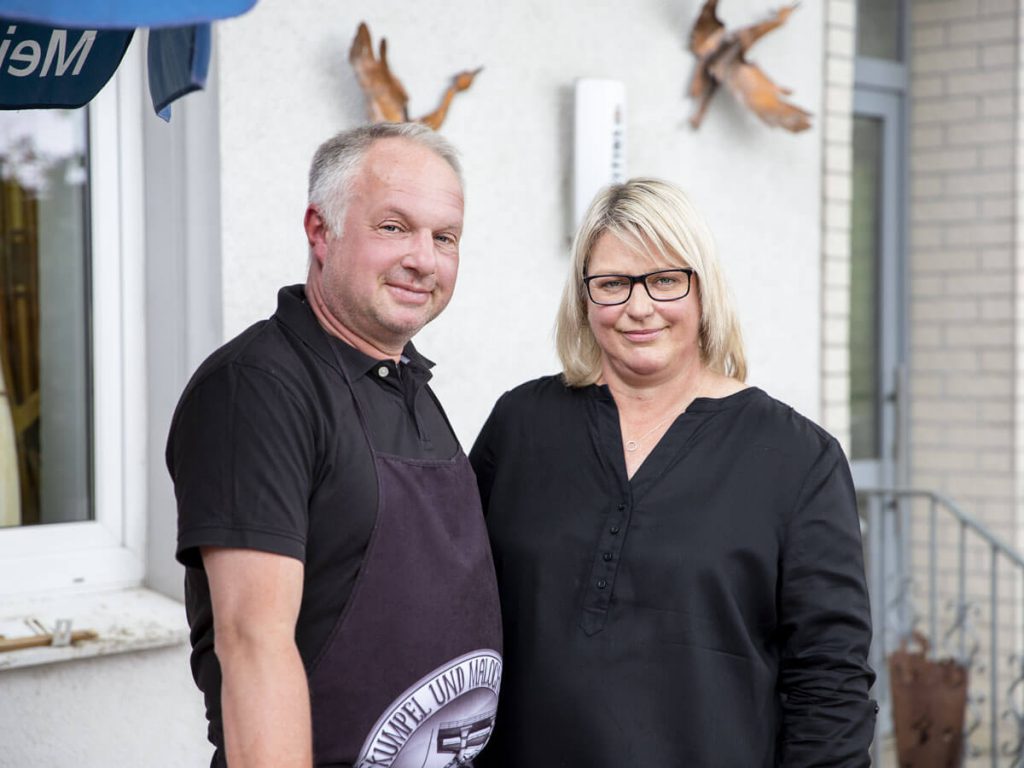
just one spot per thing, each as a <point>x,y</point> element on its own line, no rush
<point>339,587</point>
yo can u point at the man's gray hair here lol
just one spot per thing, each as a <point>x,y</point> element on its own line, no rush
<point>337,160</point>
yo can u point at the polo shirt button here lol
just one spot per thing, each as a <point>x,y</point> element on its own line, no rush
<point>621,507</point>
<point>602,584</point>
<point>383,371</point>
<point>607,556</point>
<point>614,529</point>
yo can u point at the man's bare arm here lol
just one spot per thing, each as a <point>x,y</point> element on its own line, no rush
<point>264,694</point>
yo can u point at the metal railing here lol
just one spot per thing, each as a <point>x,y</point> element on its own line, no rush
<point>960,583</point>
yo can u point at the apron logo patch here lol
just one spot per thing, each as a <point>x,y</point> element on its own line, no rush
<point>442,721</point>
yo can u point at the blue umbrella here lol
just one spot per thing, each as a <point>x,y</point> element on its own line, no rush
<point>60,53</point>
<point>178,60</point>
<point>121,14</point>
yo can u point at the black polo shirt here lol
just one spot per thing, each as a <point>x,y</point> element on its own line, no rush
<point>710,611</point>
<point>266,452</point>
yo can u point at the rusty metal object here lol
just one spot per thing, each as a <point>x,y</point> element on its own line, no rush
<point>386,98</point>
<point>929,700</point>
<point>721,60</point>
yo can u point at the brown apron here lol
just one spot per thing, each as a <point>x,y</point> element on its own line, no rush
<point>409,676</point>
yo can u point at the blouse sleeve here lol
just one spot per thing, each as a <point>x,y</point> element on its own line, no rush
<point>484,454</point>
<point>825,625</point>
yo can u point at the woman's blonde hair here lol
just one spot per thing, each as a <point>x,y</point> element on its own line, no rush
<point>656,217</point>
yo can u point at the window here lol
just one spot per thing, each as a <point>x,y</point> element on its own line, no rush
<point>45,459</point>
<point>72,416</point>
<point>880,29</point>
<point>865,269</point>
<point>877,342</point>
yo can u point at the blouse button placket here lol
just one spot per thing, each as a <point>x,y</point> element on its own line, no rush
<point>603,570</point>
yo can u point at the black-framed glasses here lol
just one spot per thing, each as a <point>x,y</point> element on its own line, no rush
<point>663,285</point>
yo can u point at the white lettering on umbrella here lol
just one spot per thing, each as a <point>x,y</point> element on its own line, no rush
<point>31,59</point>
<point>28,53</point>
<point>58,40</point>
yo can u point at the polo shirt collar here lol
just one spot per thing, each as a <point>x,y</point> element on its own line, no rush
<point>294,311</point>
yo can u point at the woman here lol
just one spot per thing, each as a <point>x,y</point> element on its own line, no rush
<point>678,554</point>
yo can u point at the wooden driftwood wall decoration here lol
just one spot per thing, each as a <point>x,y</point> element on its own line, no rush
<point>721,60</point>
<point>386,99</point>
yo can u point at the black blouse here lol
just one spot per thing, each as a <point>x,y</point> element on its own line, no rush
<point>712,611</point>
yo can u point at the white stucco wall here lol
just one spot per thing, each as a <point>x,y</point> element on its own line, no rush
<point>286,84</point>
<point>133,709</point>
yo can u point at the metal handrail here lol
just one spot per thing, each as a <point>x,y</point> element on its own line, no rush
<point>967,519</point>
<point>879,576</point>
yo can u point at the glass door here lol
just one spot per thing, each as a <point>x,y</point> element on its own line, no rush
<point>876,326</point>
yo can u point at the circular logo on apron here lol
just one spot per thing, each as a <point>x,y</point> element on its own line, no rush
<point>442,721</point>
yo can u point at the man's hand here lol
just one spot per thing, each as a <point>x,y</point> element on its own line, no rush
<point>264,694</point>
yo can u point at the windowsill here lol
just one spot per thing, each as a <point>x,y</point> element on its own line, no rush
<point>126,620</point>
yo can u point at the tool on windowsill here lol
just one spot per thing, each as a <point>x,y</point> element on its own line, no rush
<point>61,636</point>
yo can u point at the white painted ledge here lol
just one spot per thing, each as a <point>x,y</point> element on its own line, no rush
<point>125,619</point>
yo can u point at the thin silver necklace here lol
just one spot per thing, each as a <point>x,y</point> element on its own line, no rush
<point>634,445</point>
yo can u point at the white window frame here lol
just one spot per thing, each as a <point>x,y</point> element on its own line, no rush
<point>108,552</point>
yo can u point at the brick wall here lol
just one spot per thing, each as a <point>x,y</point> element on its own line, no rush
<point>1018,267</point>
<point>963,127</point>
<point>963,271</point>
<point>837,185</point>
